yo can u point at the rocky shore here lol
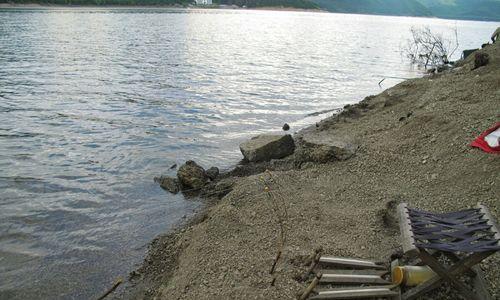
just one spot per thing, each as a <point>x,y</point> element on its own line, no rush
<point>336,190</point>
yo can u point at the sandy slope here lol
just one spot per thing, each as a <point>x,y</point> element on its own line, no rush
<point>413,147</point>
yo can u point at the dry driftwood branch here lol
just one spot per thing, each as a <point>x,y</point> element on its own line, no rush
<point>273,280</point>
<point>427,48</point>
<point>311,287</point>
<point>313,255</point>
<point>313,265</point>
<point>278,255</point>
<point>110,290</point>
<point>274,194</point>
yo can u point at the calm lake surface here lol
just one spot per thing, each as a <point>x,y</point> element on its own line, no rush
<point>96,102</point>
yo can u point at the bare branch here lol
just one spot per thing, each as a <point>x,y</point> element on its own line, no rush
<point>426,48</point>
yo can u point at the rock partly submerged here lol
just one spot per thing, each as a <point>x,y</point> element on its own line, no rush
<point>265,152</point>
<point>168,183</point>
<point>192,176</point>
<point>267,146</point>
<point>212,173</point>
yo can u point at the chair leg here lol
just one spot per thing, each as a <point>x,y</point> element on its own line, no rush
<point>454,270</point>
<point>454,259</point>
<point>479,284</point>
<point>446,275</point>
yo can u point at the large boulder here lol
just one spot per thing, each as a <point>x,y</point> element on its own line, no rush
<point>192,176</point>
<point>170,184</point>
<point>323,147</point>
<point>267,147</point>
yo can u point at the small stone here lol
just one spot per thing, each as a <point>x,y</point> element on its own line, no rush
<point>134,274</point>
<point>212,173</point>
<point>191,175</point>
<point>168,183</point>
<point>481,59</point>
<point>443,68</point>
<point>286,127</point>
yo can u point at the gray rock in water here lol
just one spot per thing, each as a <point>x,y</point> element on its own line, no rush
<point>267,147</point>
<point>212,173</point>
<point>191,175</point>
<point>322,147</point>
<point>286,127</point>
<point>170,184</point>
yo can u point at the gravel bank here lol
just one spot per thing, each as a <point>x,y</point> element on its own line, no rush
<point>413,142</point>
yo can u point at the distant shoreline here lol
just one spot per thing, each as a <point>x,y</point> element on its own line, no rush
<point>225,7</point>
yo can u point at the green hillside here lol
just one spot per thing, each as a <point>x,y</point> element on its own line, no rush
<point>451,9</point>
<point>380,7</point>
<point>464,9</point>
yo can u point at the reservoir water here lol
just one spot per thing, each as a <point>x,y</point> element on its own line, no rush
<point>95,102</point>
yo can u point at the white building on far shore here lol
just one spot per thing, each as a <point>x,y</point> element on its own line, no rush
<point>203,2</point>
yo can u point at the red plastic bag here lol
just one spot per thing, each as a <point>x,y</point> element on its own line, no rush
<point>480,143</point>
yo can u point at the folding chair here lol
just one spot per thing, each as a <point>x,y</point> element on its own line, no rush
<point>471,233</point>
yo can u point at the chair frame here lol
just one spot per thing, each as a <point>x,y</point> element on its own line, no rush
<point>468,264</point>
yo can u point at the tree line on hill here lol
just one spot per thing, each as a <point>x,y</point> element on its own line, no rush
<point>452,9</point>
<point>302,4</point>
